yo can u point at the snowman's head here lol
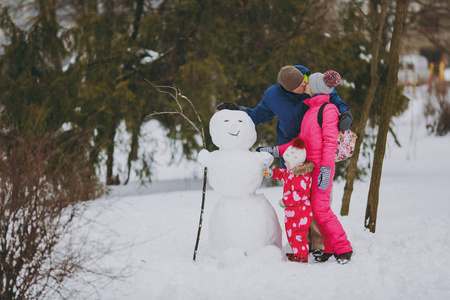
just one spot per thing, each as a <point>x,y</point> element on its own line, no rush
<point>232,129</point>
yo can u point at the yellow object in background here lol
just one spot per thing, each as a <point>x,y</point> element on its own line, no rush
<point>441,70</point>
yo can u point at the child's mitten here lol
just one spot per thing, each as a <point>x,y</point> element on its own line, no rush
<point>267,171</point>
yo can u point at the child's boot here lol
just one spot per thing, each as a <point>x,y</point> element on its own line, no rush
<point>293,257</point>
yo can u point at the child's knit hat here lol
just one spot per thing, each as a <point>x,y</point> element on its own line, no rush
<point>299,143</point>
<point>295,154</point>
<point>324,83</point>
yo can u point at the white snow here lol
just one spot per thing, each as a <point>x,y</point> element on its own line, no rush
<point>447,74</point>
<point>365,57</point>
<point>418,75</point>
<point>69,62</point>
<point>151,56</point>
<point>407,258</point>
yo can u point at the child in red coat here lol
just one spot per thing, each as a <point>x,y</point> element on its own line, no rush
<point>296,202</point>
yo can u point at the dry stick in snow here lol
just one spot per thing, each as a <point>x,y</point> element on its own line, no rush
<point>175,93</point>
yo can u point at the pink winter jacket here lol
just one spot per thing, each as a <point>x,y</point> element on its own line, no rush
<point>321,143</point>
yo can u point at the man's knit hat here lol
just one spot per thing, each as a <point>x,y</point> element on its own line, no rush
<point>290,78</point>
<point>324,83</point>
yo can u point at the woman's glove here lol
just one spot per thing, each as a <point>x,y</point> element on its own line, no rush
<point>281,203</point>
<point>345,120</point>
<point>324,177</point>
<point>272,150</point>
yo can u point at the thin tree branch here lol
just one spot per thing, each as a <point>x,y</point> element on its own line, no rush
<point>366,18</point>
<point>174,95</point>
<point>394,136</point>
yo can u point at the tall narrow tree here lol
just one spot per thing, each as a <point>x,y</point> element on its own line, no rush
<point>374,190</point>
<point>376,33</point>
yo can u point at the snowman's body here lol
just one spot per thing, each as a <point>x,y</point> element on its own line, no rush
<point>242,223</point>
<point>235,173</point>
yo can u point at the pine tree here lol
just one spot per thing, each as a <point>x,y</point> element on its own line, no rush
<point>35,93</point>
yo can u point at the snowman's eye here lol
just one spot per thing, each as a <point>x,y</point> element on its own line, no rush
<point>240,121</point>
<point>226,121</point>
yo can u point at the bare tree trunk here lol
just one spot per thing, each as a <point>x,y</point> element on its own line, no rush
<point>372,200</point>
<point>375,77</point>
<point>110,160</point>
<point>133,155</point>
<point>137,18</point>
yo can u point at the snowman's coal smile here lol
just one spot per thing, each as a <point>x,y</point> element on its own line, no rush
<point>234,134</point>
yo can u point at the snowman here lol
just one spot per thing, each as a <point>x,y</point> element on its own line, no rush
<point>243,223</point>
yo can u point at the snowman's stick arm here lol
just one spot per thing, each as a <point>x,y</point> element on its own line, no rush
<point>200,222</point>
<point>200,130</point>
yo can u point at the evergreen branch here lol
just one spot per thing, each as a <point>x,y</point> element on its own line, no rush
<point>101,62</point>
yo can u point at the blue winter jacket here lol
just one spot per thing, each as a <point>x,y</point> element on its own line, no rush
<point>288,107</point>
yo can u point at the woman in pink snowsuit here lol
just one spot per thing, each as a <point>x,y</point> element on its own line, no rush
<point>321,143</point>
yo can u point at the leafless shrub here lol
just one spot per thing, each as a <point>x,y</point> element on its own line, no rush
<point>430,111</point>
<point>42,181</point>
<point>437,112</point>
<point>443,126</point>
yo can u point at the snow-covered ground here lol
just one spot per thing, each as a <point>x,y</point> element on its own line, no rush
<point>153,236</point>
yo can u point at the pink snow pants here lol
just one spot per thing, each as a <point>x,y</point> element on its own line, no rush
<point>297,220</point>
<point>333,234</point>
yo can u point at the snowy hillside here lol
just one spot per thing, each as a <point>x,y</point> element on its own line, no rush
<point>153,236</point>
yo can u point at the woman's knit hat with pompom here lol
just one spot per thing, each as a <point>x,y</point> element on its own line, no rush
<point>324,83</point>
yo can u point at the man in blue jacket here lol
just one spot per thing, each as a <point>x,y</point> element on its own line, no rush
<point>285,100</point>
